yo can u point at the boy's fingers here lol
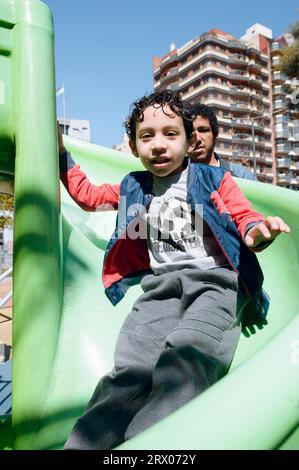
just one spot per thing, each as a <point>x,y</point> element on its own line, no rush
<point>277,224</point>
<point>259,231</point>
<point>263,230</point>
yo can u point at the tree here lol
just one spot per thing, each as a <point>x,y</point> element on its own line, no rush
<point>289,65</point>
<point>6,211</point>
<point>289,62</point>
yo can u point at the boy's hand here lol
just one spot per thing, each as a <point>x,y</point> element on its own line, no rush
<point>61,147</point>
<point>266,231</point>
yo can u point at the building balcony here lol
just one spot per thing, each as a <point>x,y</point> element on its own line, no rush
<point>282,149</point>
<point>211,101</point>
<point>278,90</point>
<point>294,181</point>
<point>259,157</point>
<point>238,59</point>
<point>214,53</point>
<point>237,45</point>
<point>283,162</point>
<point>169,76</point>
<point>242,138</point>
<point>243,123</point>
<point>256,111</point>
<point>269,175</point>
<point>281,134</point>
<point>254,65</point>
<point>278,104</point>
<point>247,139</point>
<point>283,178</point>
<point>255,81</point>
<point>268,145</point>
<point>244,107</point>
<point>275,46</point>
<point>259,142</point>
<point>204,71</point>
<point>168,60</point>
<point>265,71</point>
<point>256,96</point>
<point>174,87</point>
<point>225,136</point>
<point>240,91</point>
<point>241,154</point>
<point>239,77</point>
<point>278,77</point>
<point>293,152</point>
<point>261,174</point>
<point>266,100</point>
<point>268,158</point>
<point>223,152</point>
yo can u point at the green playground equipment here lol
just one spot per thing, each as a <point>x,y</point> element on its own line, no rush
<point>65,329</point>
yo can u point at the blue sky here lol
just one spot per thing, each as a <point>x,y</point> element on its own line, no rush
<point>104,49</point>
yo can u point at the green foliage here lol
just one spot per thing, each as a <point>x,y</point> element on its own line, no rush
<point>289,62</point>
<point>6,211</point>
<point>294,29</point>
<point>289,66</point>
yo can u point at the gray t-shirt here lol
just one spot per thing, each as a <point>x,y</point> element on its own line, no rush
<point>177,237</point>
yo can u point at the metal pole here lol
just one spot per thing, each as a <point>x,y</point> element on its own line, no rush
<point>64,111</point>
<point>253,148</point>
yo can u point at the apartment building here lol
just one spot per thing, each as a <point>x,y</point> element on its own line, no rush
<point>124,146</point>
<point>235,78</point>
<point>286,125</point>
<point>77,128</point>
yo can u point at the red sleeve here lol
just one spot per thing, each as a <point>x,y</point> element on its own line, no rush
<point>87,195</point>
<point>240,209</point>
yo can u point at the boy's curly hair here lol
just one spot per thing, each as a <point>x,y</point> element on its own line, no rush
<point>206,112</point>
<point>159,99</point>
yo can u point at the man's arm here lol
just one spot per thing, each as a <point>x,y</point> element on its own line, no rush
<point>256,231</point>
<point>241,172</point>
<point>88,196</point>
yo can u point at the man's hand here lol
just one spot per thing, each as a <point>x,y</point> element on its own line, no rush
<point>266,231</point>
<point>61,147</point>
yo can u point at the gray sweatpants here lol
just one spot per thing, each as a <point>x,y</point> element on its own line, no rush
<point>178,340</point>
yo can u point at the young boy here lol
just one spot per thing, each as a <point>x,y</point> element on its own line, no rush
<point>197,266</point>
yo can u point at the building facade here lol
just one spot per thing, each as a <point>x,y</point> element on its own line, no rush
<point>236,79</point>
<point>286,125</point>
<point>77,128</point>
<point>124,146</point>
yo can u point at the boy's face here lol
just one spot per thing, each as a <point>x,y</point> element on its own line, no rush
<point>203,141</point>
<point>161,142</point>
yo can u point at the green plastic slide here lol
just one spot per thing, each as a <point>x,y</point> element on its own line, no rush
<point>65,328</point>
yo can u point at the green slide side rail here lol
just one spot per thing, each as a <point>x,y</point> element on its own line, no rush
<point>64,327</point>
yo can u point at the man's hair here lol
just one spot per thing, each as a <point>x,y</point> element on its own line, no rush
<point>202,110</point>
<point>160,99</point>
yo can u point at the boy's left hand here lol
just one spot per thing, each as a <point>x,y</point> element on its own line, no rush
<point>266,231</point>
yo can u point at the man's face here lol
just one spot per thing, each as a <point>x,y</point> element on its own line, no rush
<point>161,142</point>
<point>202,148</point>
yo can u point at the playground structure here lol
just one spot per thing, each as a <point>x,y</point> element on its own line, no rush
<point>65,329</point>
